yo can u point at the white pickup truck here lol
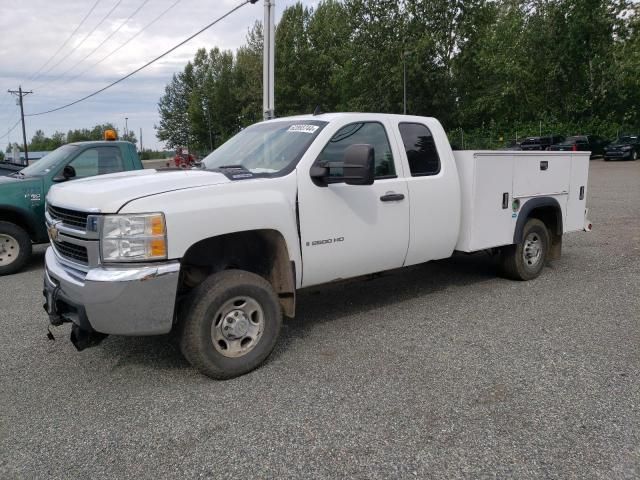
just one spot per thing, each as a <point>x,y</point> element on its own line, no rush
<point>217,254</point>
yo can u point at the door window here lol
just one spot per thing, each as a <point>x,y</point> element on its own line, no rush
<point>97,161</point>
<point>372,133</point>
<point>421,149</point>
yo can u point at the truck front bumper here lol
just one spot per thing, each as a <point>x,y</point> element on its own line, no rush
<point>127,300</point>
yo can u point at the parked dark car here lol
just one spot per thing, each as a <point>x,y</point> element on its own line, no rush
<point>627,147</point>
<point>540,143</point>
<point>511,145</point>
<point>582,143</point>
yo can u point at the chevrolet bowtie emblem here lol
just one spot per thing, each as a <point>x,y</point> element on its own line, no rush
<point>53,232</point>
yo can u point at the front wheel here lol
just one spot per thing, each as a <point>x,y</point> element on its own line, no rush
<point>230,324</point>
<point>634,155</point>
<point>15,248</point>
<point>526,260</point>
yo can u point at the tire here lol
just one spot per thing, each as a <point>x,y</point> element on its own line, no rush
<point>15,248</point>
<point>215,324</point>
<point>526,260</point>
<point>634,155</point>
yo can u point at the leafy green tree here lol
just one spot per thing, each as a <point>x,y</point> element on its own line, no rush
<point>174,128</point>
<point>247,82</point>
<point>496,69</point>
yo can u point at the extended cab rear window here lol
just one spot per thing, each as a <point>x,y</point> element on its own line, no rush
<point>420,146</point>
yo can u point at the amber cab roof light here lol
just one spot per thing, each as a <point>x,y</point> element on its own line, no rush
<point>110,135</point>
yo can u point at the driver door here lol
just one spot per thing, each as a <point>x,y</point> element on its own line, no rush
<point>352,230</point>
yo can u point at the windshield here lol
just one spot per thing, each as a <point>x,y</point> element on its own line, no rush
<point>266,148</point>
<point>49,162</point>
<point>626,139</point>
<point>572,140</point>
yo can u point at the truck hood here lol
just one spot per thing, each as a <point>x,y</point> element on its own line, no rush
<point>21,182</point>
<point>108,193</point>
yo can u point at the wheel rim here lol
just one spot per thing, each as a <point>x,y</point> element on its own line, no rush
<point>237,326</point>
<point>532,251</point>
<point>9,249</point>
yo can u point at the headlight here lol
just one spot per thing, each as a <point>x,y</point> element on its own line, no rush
<point>626,147</point>
<point>133,238</point>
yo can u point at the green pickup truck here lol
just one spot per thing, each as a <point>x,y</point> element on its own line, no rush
<point>23,193</point>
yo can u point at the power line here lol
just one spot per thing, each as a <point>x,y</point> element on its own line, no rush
<point>112,52</point>
<point>3,108</point>
<point>10,129</point>
<point>101,43</point>
<point>146,64</point>
<point>35,75</point>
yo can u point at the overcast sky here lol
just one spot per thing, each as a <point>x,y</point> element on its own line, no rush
<point>32,31</point>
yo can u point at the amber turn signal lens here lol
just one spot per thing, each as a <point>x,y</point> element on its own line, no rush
<point>158,248</point>
<point>157,225</point>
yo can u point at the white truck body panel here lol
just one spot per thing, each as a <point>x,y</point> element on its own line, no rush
<point>341,226</point>
<point>485,176</point>
<point>203,212</point>
<point>109,192</point>
<point>364,235</point>
<point>434,201</point>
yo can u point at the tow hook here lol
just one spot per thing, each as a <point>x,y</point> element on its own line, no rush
<point>82,339</point>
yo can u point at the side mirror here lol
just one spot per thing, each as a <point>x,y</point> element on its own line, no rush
<point>357,166</point>
<point>68,172</point>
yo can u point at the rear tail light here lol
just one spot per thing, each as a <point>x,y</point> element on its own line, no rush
<point>574,148</point>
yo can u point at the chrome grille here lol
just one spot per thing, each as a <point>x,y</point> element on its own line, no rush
<point>72,218</point>
<point>75,253</point>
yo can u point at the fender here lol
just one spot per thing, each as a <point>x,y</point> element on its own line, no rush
<point>531,205</point>
<point>27,219</point>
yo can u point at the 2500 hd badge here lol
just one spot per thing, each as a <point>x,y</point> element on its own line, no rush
<point>324,242</point>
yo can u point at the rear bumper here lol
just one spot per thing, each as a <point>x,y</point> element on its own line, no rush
<point>128,300</point>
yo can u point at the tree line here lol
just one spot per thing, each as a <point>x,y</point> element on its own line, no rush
<point>487,69</point>
<point>41,142</point>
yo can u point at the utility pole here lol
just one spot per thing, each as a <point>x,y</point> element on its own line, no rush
<point>268,77</point>
<point>20,93</point>
<point>126,128</point>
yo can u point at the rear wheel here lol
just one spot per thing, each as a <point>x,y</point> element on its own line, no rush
<point>15,248</point>
<point>634,155</point>
<point>526,260</point>
<point>230,324</point>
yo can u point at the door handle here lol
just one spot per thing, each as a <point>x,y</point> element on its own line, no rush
<point>392,197</point>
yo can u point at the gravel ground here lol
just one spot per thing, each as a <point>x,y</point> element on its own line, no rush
<point>441,370</point>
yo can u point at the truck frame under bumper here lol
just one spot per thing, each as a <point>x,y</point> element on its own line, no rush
<point>127,300</point>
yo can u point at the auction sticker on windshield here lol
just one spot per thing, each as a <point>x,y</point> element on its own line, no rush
<point>303,128</point>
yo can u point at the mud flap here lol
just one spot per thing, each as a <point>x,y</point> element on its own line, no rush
<point>82,339</point>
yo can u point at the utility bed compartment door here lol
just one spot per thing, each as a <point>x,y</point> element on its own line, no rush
<point>486,183</point>
<point>541,174</point>
<point>577,203</point>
